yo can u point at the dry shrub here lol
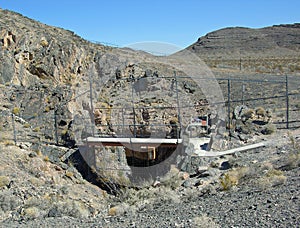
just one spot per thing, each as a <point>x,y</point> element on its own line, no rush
<point>71,208</point>
<point>204,221</point>
<point>16,110</point>
<point>272,178</point>
<point>295,145</point>
<point>266,166</point>
<point>39,152</point>
<point>233,177</point>
<point>293,160</point>
<point>134,200</point>
<point>113,211</point>
<point>44,42</point>
<point>36,181</point>
<point>8,143</point>
<point>173,179</point>
<point>260,111</point>
<point>228,181</point>
<point>119,209</point>
<point>248,114</point>
<point>47,109</point>
<point>31,212</point>
<point>46,159</point>
<point>37,129</point>
<point>4,181</point>
<point>26,125</point>
<point>69,174</point>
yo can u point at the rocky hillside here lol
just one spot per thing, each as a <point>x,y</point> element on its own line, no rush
<point>47,71</point>
<point>57,88</point>
<point>55,84</point>
<point>270,49</point>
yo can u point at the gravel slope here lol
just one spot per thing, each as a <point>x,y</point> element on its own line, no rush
<point>245,205</point>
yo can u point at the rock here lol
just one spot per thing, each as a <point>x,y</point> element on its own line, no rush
<point>187,184</point>
<point>225,165</point>
<point>24,145</point>
<point>32,154</point>
<point>156,183</point>
<point>148,73</point>
<point>243,137</point>
<point>189,87</point>
<point>239,111</point>
<point>202,169</point>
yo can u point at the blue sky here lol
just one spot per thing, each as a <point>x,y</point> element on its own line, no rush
<point>177,22</point>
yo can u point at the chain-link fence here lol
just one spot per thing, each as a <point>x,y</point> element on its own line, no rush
<point>278,97</point>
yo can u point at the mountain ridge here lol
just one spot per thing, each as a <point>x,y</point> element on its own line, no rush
<point>243,39</point>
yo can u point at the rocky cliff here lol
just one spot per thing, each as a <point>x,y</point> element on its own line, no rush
<point>57,86</point>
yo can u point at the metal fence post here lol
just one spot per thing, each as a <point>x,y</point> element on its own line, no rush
<point>55,126</point>
<point>133,108</point>
<point>228,103</point>
<point>14,128</point>
<point>91,103</point>
<point>287,100</point>
<point>243,94</point>
<point>178,107</point>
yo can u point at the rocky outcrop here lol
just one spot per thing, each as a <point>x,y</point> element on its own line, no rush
<point>42,52</point>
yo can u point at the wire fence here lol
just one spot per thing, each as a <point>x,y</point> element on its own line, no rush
<point>53,126</point>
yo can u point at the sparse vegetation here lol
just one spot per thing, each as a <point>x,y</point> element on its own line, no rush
<point>8,142</point>
<point>16,110</point>
<point>31,212</point>
<point>26,125</point>
<point>4,181</point>
<point>47,109</point>
<point>293,158</point>
<point>44,43</point>
<point>233,177</point>
<point>272,178</point>
<point>38,152</point>
<point>36,129</point>
<point>204,221</point>
<point>112,211</point>
<point>261,175</point>
<point>260,111</point>
<point>248,114</point>
<point>69,174</point>
<point>46,159</point>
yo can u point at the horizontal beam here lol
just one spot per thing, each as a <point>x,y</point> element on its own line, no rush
<point>137,142</point>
